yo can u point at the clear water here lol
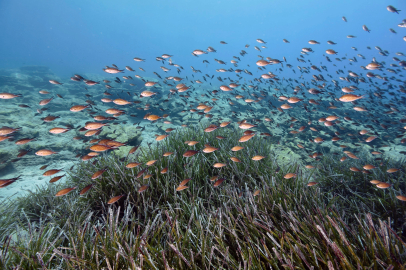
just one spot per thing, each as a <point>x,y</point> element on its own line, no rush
<point>53,40</point>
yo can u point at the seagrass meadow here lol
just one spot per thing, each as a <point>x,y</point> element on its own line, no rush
<point>221,135</point>
<point>255,218</point>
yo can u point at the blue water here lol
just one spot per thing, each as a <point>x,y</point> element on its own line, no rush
<point>83,36</point>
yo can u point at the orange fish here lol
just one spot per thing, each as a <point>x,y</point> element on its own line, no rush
<point>143,188</point>
<point>151,162</point>
<point>209,149</point>
<point>98,173</point>
<point>214,178</point>
<point>383,185</point>
<point>7,130</point>
<point>141,173</point>
<point>45,101</point>
<point>246,137</point>
<point>349,98</point>
<point>153,117</point>
<point>132,150</point>
<point>290,175</point>
<point>369,167</point>
<point>56,178</point>
<point>132,165</point>
<point>179,188</point>
<point>262,63</point>
<point>3,138</point>
<point>64,191</point>
<point>24,141</point>
<point>114,199</point>
<point>85,189</point>
<point>51,172</point>
<point>190,153</point>
<point>78,108</point>
<point>219,165</point>
<point>218,182</point>
<point>246,126</point>
<point>211,128</point>
<point>92,132</point>
<point>184,182</point>
<point>4,183</point>
<point>94,125</point>
<point>147,94</point>
<point>392,170</point>
<point>58,130</point>
<point>160,137</point>
<point>370,139</point>
<point>45,152</point>
<point>401,197</point>
<point>9,95</point>
<point>224,124</point>
<point>120,101</point>
<point>99,148</point>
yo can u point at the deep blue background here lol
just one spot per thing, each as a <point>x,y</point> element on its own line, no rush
<point>83,36</point>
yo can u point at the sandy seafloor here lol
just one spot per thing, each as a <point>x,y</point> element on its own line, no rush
<point>28,81</point>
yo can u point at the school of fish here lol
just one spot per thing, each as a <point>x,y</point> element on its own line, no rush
<point>310,113</point>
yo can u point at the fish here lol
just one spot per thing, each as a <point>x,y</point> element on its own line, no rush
<point>350,98</point>
<point>112,70</point>
<point>55,82</point>
<point>180,188</point>
<point>64,191</point>
<point>56,178</point>
<point>120,101</point>
<point>115,199</point>
<point>330,51</point>
<point>218,182</point>
<point>78,108</point>
<point>132,150</point>
<point>290,175</point>
<point>99,148</point>
<point>85,189</point>
<point>58,130</point>
<point>98,174</point>
<point>7,130</point>
<point>9,95</point>
<point>245,138</point>
<point>392,9</point>
<point>365,28</point>
<point>151,162</point>
<point>45,152</point>
<point>51,172</point>
<point>219,165</point>
<point>161,137</point>
<point>143,188</point>
<point>6,182</point>
<point>350,101</point>
<point>190,153</point>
